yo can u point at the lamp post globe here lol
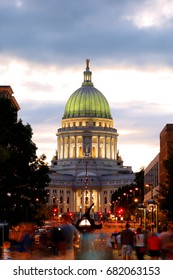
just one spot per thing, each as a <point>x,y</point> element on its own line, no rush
<point>151,201</point>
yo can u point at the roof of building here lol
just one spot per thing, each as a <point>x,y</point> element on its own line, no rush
<point>7,92</point>
<point>87,101</point>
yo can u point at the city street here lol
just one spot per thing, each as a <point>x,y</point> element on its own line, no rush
<point>99,248</point>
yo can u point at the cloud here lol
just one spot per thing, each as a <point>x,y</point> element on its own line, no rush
<point>138,124</point>
<point>43,49</point>
<point>46,113</point>
<point>146,16</point>
<point>65,32</point>
<point>142,120</point>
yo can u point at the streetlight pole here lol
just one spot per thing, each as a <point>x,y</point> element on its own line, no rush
<point>156,217</point>
<point>86,184</point>
<point>151,202</point>
<point>142,207</point>
<point>145,216</point>
<point>80,211</point>
<point>151,187</point>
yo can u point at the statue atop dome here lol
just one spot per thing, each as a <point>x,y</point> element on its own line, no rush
<point>87,63</point>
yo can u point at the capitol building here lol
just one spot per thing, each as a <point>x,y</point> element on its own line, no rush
<point>87,167</point>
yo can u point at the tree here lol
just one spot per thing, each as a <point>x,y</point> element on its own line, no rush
<point>129,196</point>
<point>23,176</point>
<point>139,179</point>
<point>166,189</point>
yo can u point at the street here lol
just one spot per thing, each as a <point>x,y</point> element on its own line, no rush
<point>97,248</point>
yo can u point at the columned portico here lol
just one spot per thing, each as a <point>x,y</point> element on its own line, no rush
<point>76,146</point>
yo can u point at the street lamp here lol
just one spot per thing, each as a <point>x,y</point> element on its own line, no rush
<point>143,208</point>
<point>80,211</point>
<point>86,185</point>
<point>151,187</point>
<point>152,203</point>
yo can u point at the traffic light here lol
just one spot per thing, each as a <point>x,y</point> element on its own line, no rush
<point>120,211</point>
<point>70,214</point>
<point>55,211</point>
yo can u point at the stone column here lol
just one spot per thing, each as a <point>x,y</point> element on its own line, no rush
<point>105,148</point>
<point>63,147</point>
<point>98,146</point>
<point>110,147</point>
<point>69,147</point>
<point>75,146</point>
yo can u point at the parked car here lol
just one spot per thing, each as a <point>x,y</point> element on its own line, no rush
<point>40,235</point>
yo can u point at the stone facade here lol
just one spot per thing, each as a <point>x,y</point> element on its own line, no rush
<point>87,167</point>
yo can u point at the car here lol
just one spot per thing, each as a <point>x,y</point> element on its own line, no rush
<point>39,234</point>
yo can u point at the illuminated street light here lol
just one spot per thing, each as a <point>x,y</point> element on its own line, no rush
<point>143,208</point>
<point>151,187</point>
<point>86,185</point>
<point>80,211</point>
<point>152,203</point>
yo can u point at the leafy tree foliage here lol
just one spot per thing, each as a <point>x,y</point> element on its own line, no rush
<point>129,196</point>
<point>23,176</point>
<point>140,184</point>
<point>166,189</point>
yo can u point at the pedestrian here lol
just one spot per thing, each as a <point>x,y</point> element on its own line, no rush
<point>6,254</point>
<point>113,241</point>
<point>118,240</point>
<point>127,242</point>
<point>154,246</point>
<point>24,241</point>
<point>139,242</point>
<point>69,236</point>
<point>169,244</point>
<point>164,239</point>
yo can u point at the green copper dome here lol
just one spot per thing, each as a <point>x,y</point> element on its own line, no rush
<point>87,101</point>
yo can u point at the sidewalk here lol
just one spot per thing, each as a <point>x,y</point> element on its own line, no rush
<point>47,254</point>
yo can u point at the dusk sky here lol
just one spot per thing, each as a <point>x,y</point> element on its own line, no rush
<point>43,48</point>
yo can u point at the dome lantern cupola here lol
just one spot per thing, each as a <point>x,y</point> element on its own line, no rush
<point>87,101</point>
<point>87,75</point>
